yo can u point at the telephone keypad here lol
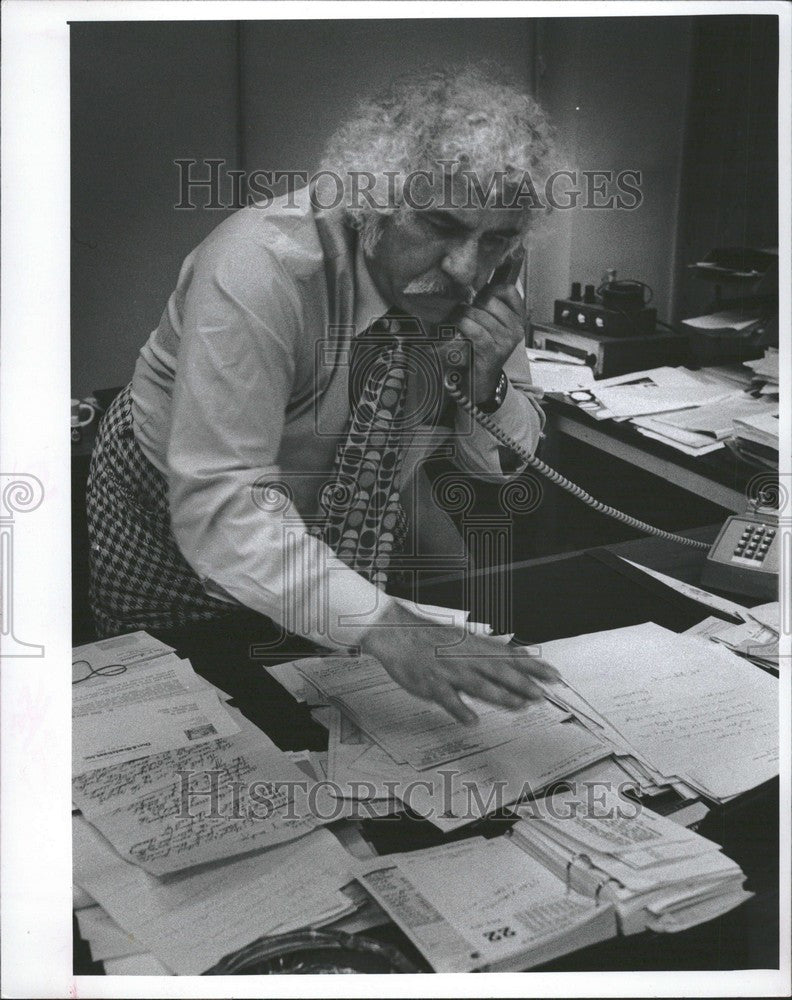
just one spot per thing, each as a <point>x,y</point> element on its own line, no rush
<point>754,542</point>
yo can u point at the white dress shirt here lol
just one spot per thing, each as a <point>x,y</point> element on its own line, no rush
<point>240,398</point>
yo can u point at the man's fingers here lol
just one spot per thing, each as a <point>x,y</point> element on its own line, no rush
<point>417,685</point>
<point>504,674</point>
<point>477,684</point>
<point>494,309</point>
<point>537,666</point>
<point>509,295</point>
<point>477,332</point>
<point>446,696</point>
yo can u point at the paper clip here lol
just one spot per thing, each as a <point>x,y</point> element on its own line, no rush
<point>602,884</point>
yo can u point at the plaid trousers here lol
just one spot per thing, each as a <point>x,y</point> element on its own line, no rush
<point>139,578</point>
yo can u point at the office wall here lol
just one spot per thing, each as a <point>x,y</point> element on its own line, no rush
<point>142,95</point>
<point>730,176</point>
<point>259,94</point>
<point>266,94</point>
<point>617,91</point>
<point>302,78</point>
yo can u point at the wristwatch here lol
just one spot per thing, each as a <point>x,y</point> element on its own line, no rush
<point>496,399</point>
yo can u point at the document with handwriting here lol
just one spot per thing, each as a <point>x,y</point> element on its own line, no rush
<point>690,709</point>
<point>214,801</point>
<point>192,919</point>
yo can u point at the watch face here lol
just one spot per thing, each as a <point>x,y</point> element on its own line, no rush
<point>492,404</point>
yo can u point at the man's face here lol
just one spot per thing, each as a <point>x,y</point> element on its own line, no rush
<point>431,260</point>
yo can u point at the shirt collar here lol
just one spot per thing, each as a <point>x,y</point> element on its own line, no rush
<point>369,304</point>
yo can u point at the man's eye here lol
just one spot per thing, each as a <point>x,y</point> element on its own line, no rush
<point>495,239</point>
<point>442,228</point>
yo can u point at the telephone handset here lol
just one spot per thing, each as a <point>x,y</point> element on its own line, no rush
<point>506,273</point>
<point>744,557</point>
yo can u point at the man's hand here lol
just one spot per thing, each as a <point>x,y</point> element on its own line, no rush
<point>412,652</point>
<point>494,328</point>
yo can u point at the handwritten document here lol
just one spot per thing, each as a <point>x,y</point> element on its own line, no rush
<point>115,785</point>
<point>200,804</point>
<point>689,709</point>
<point>190,920</point>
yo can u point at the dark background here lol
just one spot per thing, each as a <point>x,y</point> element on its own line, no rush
<point>689,101</point>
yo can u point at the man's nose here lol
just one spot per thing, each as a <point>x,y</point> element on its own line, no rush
<point>461,263</point>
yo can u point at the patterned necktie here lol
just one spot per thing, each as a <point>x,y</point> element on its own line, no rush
<point>365,523</point>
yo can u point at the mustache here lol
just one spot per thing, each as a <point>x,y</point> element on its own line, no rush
<point>428,285</point>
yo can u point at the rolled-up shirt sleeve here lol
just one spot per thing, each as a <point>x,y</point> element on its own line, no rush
<point>245,540</point>
<point>520,416</point>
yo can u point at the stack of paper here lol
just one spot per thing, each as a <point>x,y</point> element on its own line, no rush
<point>485,905</point>
<point>556,372</point>
<point>656,391</point>
<point>387,744</point>
<point>694,412</point>
<point>189,921</point>
<point>765,372</point>
<point>678,712</point>
<point>185,779</point>
<point>756,437</point>
<point>755,639</point>
<point>658,874</point>
<point>188,782</point>
<point>659,390</point>
<point>132,697</point>
<point>704,428</point>
<point>730,320</point>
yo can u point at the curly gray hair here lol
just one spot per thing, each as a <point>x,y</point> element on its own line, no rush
<point>463,116</point>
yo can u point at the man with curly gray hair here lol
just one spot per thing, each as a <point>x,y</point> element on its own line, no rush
<point>268,453</point>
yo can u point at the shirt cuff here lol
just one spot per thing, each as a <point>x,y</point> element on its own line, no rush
<point>520,417</point>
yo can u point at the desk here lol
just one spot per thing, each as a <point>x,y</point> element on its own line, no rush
<point>719,477</point>
<point>553,597</point>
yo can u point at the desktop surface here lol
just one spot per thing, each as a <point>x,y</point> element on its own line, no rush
<point>721,467</point>
<point>552,597</point>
